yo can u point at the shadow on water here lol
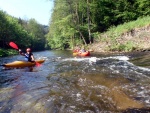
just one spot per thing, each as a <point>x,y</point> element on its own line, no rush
<point>67,84</point>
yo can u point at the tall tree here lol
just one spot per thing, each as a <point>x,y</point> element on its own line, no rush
<point>37,33</point>
<point>89,22</point>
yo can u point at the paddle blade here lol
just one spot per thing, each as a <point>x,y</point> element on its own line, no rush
<point>13,45</point>
<point>37,64</point>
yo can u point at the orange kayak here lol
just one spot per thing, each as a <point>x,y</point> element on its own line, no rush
<point>75,53</point>
<point>87,53</point>
<point>20,64</point>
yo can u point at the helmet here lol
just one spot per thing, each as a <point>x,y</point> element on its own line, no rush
<point>28,50</point>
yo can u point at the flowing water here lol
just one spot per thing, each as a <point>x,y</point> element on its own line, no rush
<point>116,83</point>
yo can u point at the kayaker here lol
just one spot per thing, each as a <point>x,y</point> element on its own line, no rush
<point>77,49</point>
<point>82,50</point>
<point>28,55</point>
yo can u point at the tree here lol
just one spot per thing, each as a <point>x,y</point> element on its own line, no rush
<point>75,22</point>
<point>37,33</point>
<point>11,30</point>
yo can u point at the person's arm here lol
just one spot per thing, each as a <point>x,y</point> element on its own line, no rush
<point>32,58</point>
<point>21,53</point>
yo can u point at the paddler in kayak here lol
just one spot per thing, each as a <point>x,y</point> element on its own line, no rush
<point>28,55</point>
<point>82,50</point>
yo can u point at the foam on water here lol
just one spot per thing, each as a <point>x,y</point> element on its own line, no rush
<point>123,59</point>
<point>94,59</point>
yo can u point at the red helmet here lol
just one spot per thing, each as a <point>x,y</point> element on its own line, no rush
<point>28,50</point>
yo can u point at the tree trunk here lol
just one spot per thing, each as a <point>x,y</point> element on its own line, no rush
<point>78,23</point>
<point>88,16</point>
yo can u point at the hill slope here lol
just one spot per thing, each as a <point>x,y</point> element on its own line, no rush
<point>127,37</point>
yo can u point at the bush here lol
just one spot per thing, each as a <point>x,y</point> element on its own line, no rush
<point>7,52</point>
<point>128,46</point>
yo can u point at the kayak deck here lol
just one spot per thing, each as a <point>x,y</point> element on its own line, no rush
<point>20,64</point>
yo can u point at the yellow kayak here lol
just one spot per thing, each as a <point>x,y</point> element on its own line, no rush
<point>20,64</point>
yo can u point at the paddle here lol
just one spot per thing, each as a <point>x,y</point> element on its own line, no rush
<point>13,45</point>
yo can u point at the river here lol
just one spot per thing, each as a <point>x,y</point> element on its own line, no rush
<point>101,83</point>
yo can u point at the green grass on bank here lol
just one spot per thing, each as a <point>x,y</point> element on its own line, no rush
<point>127,27</point>
<point>117,31</point>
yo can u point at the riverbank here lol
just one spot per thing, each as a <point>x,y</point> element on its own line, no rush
<point>132,36</point>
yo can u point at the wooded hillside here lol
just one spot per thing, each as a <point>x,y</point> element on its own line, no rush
<point>24,33</point>
<point>77,22</point>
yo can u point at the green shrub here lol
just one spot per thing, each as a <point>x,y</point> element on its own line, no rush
<point>128,46</point>
<point>7,52</point>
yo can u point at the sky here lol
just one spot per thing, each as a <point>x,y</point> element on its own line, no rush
<point>40,10</point>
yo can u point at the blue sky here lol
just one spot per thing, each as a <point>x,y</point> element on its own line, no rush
<point>40,10</point>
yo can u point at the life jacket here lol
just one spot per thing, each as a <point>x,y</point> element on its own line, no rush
<point>28,57</point>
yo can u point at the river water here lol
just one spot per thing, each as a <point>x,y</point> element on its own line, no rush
<point>101,83</point>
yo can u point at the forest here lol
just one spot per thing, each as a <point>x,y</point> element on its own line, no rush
<point>77,22</point>
<point>73,22</point>
<point>24,33</point>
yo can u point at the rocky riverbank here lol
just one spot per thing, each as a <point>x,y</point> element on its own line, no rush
<point>139,39</point>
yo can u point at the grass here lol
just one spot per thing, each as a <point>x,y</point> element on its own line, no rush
<point>115,32</point>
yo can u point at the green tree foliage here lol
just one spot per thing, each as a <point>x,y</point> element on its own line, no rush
<point>23,33</point>
<point>37,33</point>
<point>77,21</point>
<point>10,30</point>
<point>58,36</point>
<point>142,7</point>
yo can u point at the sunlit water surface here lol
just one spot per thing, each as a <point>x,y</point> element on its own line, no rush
<point>100,83</point>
